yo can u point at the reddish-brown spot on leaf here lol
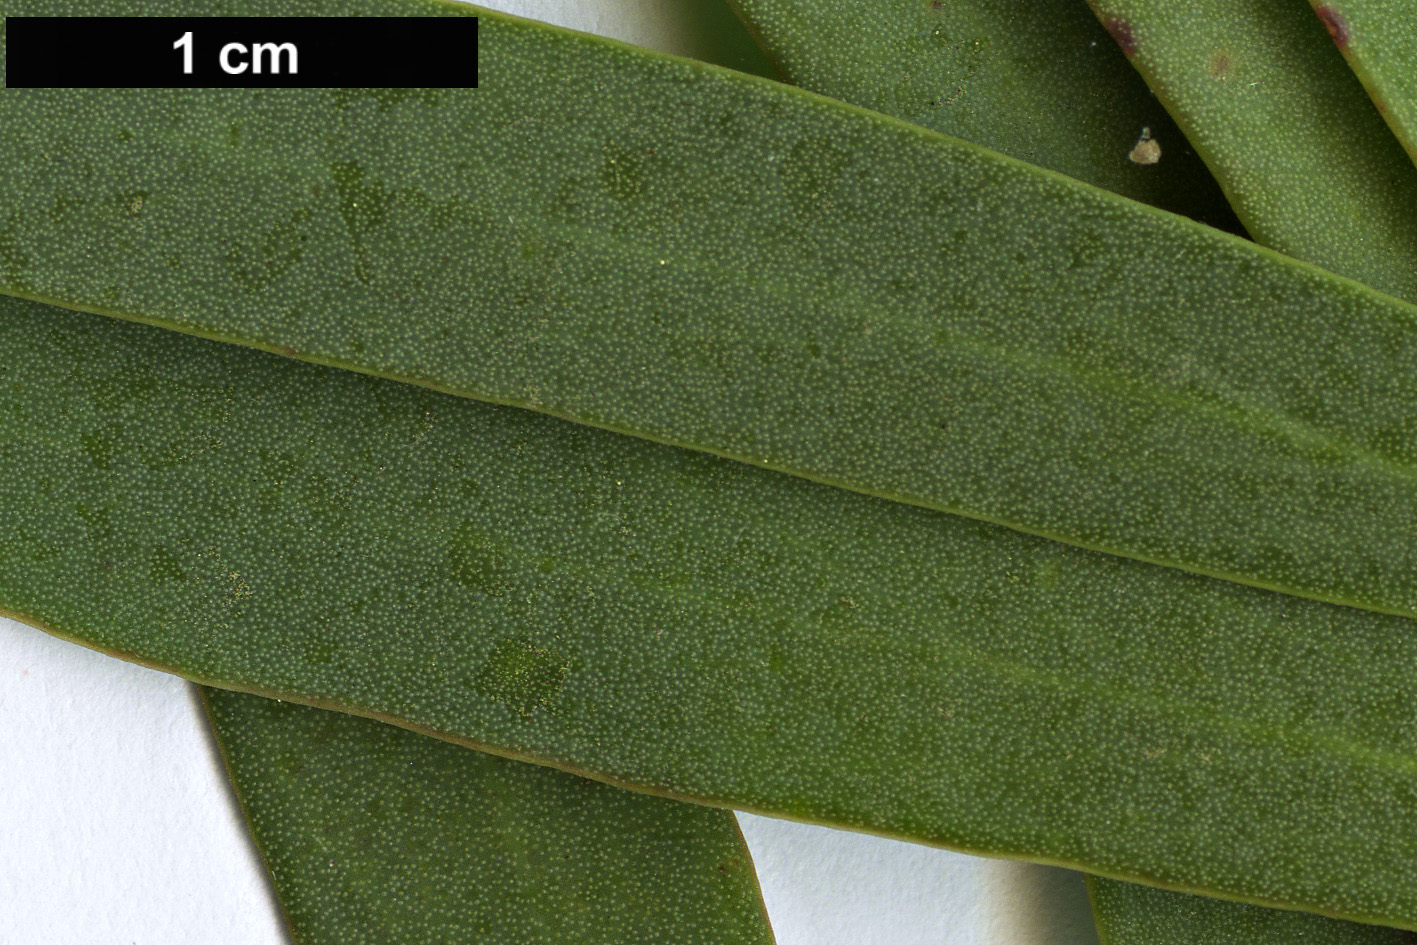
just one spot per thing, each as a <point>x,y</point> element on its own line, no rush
<point>1219,65</point>
<point>1336,25</point>
<point>1121,31</point>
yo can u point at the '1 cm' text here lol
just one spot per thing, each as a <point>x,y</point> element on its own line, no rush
<point>234,57</point>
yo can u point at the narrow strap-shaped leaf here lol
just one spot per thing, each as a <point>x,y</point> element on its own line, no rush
<point>1303,155</point>
<point>1128,914</point>
<point>1312,175</point>
<point>683,624</point>
<point>376,834</point>
<point>1038,81</point>
<point>888,57</point>
<point>983,72</point>
<point>699,257</point>
<point>1379,40</point>
<point>859,52</point>
<point>1218,66</point>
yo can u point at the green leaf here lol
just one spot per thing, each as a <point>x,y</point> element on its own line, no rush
<point>1128,914</point>
<point>1043,85</point>
<point>1268,148</point>
<point>1303,155</point>
<point>687,625</point>
<point>896,58</point>
<point>1040,82</point>
<point>375,834</point>
<point>1379,40</point>
<point>816,290</point>
<point>719,37</point>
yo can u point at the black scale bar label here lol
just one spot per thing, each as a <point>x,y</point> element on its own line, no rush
<point>92,52</point>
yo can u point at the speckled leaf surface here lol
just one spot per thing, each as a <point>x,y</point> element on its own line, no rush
<point>1246,128</point>
<point>1128,914</point>
<point>1303,155</point>
<point>1379,40</point>
<point>374,834</point>
<point>683,624</point>
<point>699,257</point>
<point>1039,81</point>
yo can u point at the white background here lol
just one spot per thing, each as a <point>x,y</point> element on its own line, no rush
<point>117,826</point>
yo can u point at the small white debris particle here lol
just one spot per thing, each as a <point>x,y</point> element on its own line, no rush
<point>1146,150</point>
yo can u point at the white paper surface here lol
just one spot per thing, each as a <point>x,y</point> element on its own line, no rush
<point>117,826</point>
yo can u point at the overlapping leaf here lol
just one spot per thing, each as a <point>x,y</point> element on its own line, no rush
<point>1006,60</point>
<point>1379,40</point>
<point>1128,914</point>
<point>375,834</point>
<point>1039,81</point>
<point>1330,714</point>
<point>683,624</point>
<point>702,258</point>
<point>1303,155</point>
<point>1315,175</point>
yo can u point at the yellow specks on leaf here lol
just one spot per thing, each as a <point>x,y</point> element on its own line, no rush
<point>239,587</point>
